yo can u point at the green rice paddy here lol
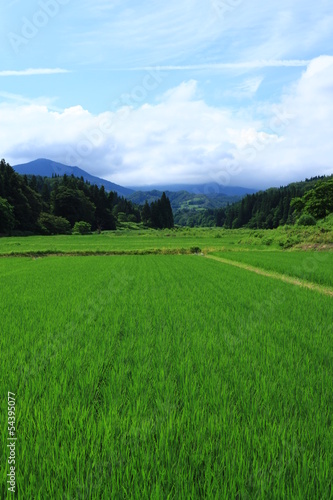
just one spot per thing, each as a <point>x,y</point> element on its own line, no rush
<point>316,267</point>
<point>165,377</point>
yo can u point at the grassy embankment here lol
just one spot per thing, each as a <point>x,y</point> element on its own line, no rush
<point>131,240</point>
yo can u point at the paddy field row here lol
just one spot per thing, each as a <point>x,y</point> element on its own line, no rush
<point>165,376</point>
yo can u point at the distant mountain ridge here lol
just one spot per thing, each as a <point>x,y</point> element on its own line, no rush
<point>47,168</point>
<point>210,189</point>
<point>182,196</point>
<point>183,200</point>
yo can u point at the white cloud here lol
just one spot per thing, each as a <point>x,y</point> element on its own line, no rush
<point>20,99</point>
<point>251,85</point>
<point>303,122</point>
<point>190,33</point>
<point>34,72</point>
<point>193,34</point>
<point>247,65</point>
<point>183,139</point>
<point>144,32</point>
<point>186,91</point>
<point>277,29</point>
<point>247,88</point>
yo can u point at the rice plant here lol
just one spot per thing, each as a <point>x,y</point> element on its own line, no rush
<point>165,377</point>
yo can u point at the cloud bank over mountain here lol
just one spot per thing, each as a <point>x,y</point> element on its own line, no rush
<point>181,137</point>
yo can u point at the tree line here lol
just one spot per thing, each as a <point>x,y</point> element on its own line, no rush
<point>158,213</point>
<point>42,205</point>
<point>302,202</point>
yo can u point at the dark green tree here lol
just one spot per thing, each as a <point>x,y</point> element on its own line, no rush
<point>146,213</point>
<point>51,224</point>
<point>73,205</point>
<point>26,202</point>
<point>319,201</point>
<point>166,212</point>
<point>7,219</point>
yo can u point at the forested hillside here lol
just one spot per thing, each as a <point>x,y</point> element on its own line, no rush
<point>190,209</point>
<point>311,200</point>
<point>182,200</point>
<point>42,205</point>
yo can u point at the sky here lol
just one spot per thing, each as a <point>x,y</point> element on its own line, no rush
<point>234,92</point>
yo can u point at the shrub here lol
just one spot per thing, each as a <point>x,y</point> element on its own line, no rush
<point>52,224</point>
<point>122,217</point>
<point>306,220</point>
<point>82,228</point>
<point>132,218</point>
<point>195,250</point>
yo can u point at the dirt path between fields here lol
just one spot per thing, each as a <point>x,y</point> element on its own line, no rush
<point>271,274</point>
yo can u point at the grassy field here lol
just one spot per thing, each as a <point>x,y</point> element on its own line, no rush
<point>164,376</point>
<point>128,239</point>
<point>316,267</point>
<point>125,241</point>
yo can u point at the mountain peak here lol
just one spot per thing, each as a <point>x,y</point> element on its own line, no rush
<point>46,168</point>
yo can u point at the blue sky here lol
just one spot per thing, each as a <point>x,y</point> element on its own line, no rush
<point>229,91</point>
